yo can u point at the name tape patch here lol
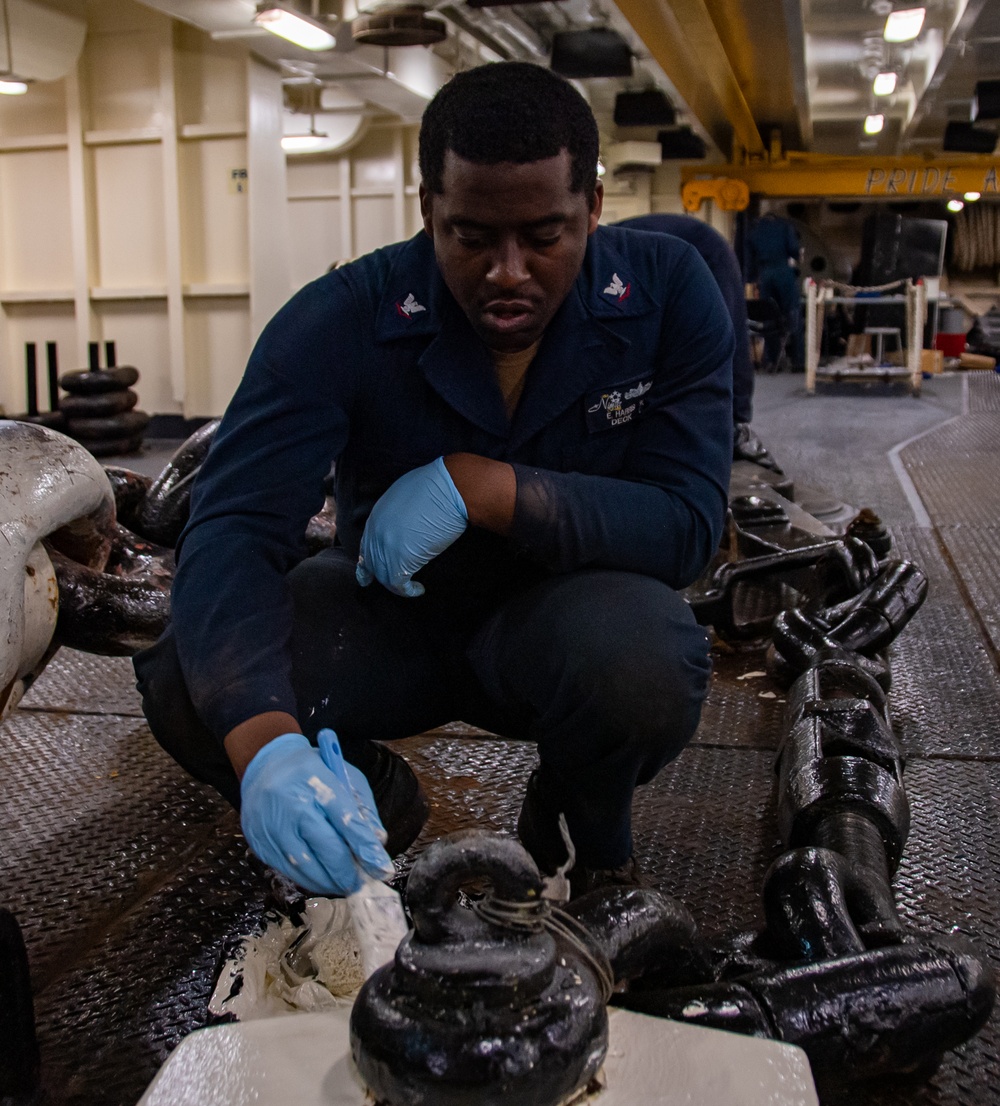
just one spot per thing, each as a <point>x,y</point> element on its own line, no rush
<point>617,405</point>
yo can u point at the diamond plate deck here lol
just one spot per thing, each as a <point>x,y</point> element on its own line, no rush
<point>84,684</point>
<point>950,467</point>
<point>984,394</point>
<point>129,879</point>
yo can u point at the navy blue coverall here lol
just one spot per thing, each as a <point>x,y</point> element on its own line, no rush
<point>773,245</point>
<point>569,632</point>
<point>721,259</point>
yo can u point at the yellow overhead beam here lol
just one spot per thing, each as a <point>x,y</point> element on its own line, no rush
<point>682,39</point>
<point>900,178</point>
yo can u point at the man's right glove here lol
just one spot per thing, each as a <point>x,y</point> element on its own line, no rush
<point>304,820</point>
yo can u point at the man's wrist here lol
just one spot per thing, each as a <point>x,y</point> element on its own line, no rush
<point>244,741</point>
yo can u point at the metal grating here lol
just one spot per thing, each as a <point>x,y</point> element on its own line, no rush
<point>984,391</point>
<point>972,550</point>
<point>951,468</point>
<point>85,684</point>
<point>109,1022</point>
<point>94,814</point>
<point>942,649</point>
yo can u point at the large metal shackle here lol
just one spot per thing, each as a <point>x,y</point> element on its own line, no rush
<point>50,487</point>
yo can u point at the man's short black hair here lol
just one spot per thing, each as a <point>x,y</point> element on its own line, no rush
<point>509,111</point>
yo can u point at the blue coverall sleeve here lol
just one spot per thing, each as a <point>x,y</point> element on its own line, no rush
<point>663,512</point>
<point>260,484</point>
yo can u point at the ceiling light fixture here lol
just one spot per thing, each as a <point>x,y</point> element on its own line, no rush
<point>955,205</point>
<point>307,143</point>
<point>10,84</point>
<point>874,123</point>
<point>884,84</point>
<point>304,143</point>
<point>902,26</point>
<point>971,197</point>
<point>284,21</point>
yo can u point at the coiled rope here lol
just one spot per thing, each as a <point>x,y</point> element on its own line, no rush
<point>854,289</point>
<point>976,242</point>
<point>542,916</point>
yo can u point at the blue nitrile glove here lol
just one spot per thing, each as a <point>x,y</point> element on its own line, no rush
<point>417,518</point>
<point>303,819</point>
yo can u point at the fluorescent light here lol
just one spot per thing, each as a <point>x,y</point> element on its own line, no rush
<point>904,25</point>
<point>955,205</point>
<point>971,197</point>
<point>884,84</point>
<point>12,88</point>
<point>294,27</point>
<point>874,123</point>
<point>303,143</point>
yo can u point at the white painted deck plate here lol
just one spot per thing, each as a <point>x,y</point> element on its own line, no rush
<point>306,1060</point>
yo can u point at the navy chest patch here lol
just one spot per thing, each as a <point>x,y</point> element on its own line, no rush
<point>616,406</point>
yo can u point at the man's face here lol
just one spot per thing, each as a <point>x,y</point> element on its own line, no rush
<point>509,240</point>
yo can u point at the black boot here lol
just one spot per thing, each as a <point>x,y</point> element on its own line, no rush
<point>401,802</point>
<point>748,447</point>
<point>538,831</point>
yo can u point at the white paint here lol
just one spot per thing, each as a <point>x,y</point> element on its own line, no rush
<point>323,793</point>
<point>47,481</point>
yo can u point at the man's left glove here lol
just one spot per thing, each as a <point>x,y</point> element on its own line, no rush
<point>416,519</point>
<point>315,823</point>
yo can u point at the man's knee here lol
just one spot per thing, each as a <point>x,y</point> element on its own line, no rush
<point>174,722</point>
<point>624,651</point>
<point>649,675</point>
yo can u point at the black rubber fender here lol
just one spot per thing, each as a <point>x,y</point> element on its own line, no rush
<point>99,406</point>
<point>128,424</point>
<point>90,382</point>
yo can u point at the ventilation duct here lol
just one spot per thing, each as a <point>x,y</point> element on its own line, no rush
<point>398,25</point>
<point>43,44</point>
<point>643,109</point>
<point>986,102</point>
<point>632,157</point>
<point>593,53</point>
<point>681,145</point>
<point>965,138</point>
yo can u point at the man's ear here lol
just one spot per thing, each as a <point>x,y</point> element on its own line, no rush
<point>596,207</point>
<point>426,202</point>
